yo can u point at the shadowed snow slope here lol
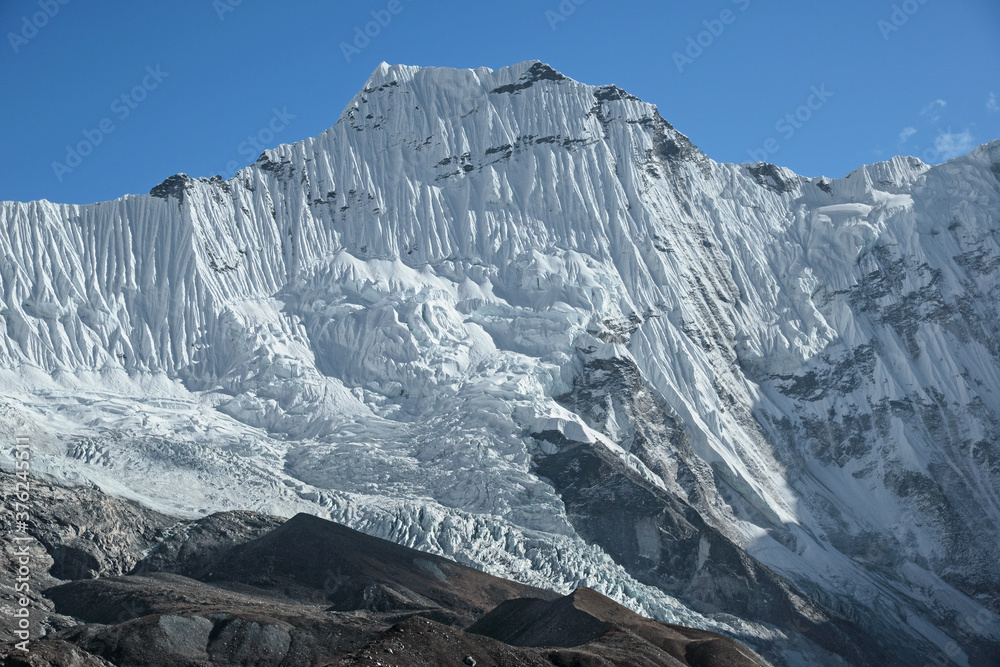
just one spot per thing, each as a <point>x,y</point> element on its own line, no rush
<point>523,322</point>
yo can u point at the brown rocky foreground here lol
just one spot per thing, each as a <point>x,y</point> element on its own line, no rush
<point>114,583</point>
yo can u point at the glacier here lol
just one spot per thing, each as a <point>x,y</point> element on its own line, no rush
<point>525,323</point>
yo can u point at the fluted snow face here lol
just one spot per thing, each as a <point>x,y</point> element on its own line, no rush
<point>373,323</point>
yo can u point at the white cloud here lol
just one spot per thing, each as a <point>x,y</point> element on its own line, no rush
<point>953,144</point>
<point>905,134</point>
<point>932,111</point>
<point>991,104</point>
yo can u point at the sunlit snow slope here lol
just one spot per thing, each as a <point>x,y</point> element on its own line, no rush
<point>523,322</point>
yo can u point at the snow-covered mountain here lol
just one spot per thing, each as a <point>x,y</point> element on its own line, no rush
<point>525,323</point>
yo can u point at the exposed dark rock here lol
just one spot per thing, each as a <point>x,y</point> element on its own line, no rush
<point>612,93</point>
<point>658,536</point>
<point>237,588</point>
<point>535,73</point>
<point>590,620</point>
<point>319,561</point>
<point>49,653</point>
<point>419,641</point>
<point>534,622</point>
<point>771,177</point>
<point>671,147</point>
<point>172,187</point>
<point>191,548</point>
<point>283,168</point>
<point>832,375</point>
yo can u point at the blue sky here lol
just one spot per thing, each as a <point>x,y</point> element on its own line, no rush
<point>156,88</point>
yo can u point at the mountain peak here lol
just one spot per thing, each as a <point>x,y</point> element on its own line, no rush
<point>385,73</point>
<point>523,72</point>
<point>754,370</point>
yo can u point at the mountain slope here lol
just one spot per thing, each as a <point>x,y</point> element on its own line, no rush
<point>237,588</point>
<point>425,321</point>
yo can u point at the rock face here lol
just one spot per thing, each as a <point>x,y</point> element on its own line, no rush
<point>524,323</point>
<point>588,619</point>
<point>665,543</point>
<point>256,590</point>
